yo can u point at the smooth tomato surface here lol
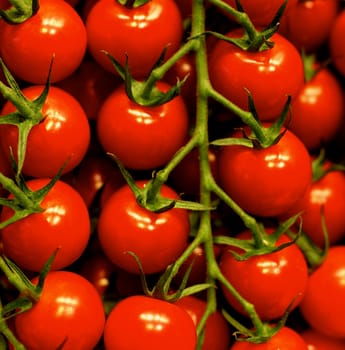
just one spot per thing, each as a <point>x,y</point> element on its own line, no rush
<point>55,31</point>
<point>69,312</point>
<point>141,322</point>
<point>141,33</point>
<point>269,75</point>
<point>157,239</point>
<point>318,341</point>
<point>336,43</point>
<point>31,241</point>
<point>268,181</point>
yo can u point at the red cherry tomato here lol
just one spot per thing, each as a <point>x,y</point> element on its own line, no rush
<point>62,136</point>
<point>28,48</point>
<point>268,181</point>
<point>269,75</point>
<point>69,312</point>
<point>336,43</point>
<point>272,282</point>
<point>31,241</point>
<point>323,305</point>
<point>318,341</point>
<point>141,322</point>
<point>139,33</point>
<point>136,134</point>
<point>157,239</point>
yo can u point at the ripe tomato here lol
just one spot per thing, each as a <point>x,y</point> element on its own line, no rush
<point>307,24</point>
<point>62,135</point>
<point>336,43</point>
<point>69,312</point>
<point>269,75</point>
<point>217,330</point>
<point>141,322</point>
<point>319,341</point>
<point>118,30</point>
<point>271,282</point>
<point>285,339</point>
<point>56,30</point>
<point>142,137</point>
<point>318,110</point>
<point>268,181</point>
<point>30,242</point>
<point>323,305</point>
<point>156,238</point>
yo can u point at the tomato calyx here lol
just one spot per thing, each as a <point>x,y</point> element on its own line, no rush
<point>28,113</point>
<point>321,167</point>
<point>20,11</point>
<point>132,4</point>
<point>145,93</point>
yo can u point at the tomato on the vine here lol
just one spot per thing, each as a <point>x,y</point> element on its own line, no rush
<point>31,241</point>
<point>146,323</point>
<point>56,32</point>
<point>157,239</point>
<point>318,341</point>
<point>142,137</point>
<point>266,181</point>
<point>270,75</point>
<point>139,33</point>
<point>61,138</point>
<point>69,314</point>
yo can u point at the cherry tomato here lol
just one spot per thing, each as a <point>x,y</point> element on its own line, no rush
<point>142,137</point>
<point>55,31</point>
<point>118,30</point>
<point>307,24</point>
<point>323,304</point>
<point>31,241</point>
<point>157,239</point>
<point>272,282</point>
<point>268,181</point>
<point>62,136</point>
<point>269,75</point>
<point>336,43</point>
<point>217,330</point>
<point>69,312</point>
<point>318,341</point>
<point>285,339</point>
<point>141,322</point>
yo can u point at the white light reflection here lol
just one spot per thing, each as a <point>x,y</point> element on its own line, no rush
<point>51,25</point>
<point>53,214</point>
<point>276,160</point>
<point>154,322</point>
<point>54,120</point>
<point>271,267</point>
<point>66,306</point>
<point>147,222</point>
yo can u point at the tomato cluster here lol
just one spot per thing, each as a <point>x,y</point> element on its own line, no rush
<point>172,174</point>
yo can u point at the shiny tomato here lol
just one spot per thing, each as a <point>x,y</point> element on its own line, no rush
<point>69,314</point>
<point>142,322</point>
<point>318,341</point>
<point>323,305</point>
<point>286,339</point>
<point>217,330</point>
<point>140,33</point>
<point>56,30</point>
<point>267,181</point>
<point>142,137</point>
<point>317,113</point>
<point>157,239</point>
<point>271,282</point>
<point>307,24</point>
<point>269,75</point>
<point>336,43</point>
<point>30,241</point>
<point>62,137</point>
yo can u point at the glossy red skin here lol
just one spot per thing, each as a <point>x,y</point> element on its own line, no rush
<point>323,306</point>
<point>69,309</point>
<point>142,138</point>
<point>336,43</point>
<point>270,75</point>
<point>307,24</point>
<point>317,113</point>
<point>31,241</point>
<point>55,30</point>
<point>217,330</point>
<point>271,282</point>
<point>285,339</point>
<point>63,135</point>
<point>266,182</point>
<point>142,322</point>
<point>140,33</point>
<point>318,341</point>
<point>261,12</point>
<point>156,238</point>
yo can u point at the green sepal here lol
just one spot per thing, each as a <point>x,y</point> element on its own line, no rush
<point>132,4</point>
<point>18,14</point>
